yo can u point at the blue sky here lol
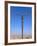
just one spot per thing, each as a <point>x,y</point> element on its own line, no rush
<point>16,14</point>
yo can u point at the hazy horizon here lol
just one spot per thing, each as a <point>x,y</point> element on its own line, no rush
<point>19,36</point>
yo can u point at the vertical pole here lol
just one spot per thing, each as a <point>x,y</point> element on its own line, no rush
<point>22,26</point>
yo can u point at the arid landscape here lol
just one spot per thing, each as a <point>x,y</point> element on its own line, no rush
<point>15,36</point>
